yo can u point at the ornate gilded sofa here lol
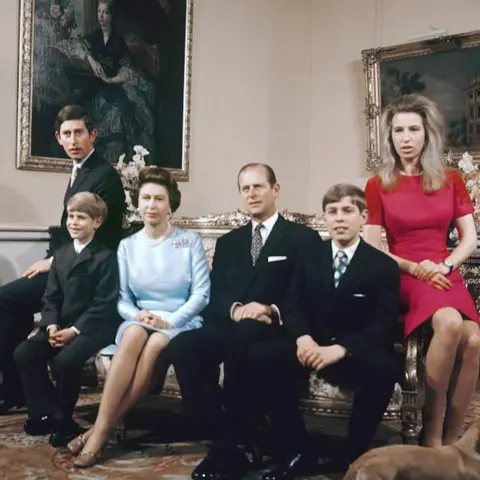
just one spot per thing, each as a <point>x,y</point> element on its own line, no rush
<point>322,398</point>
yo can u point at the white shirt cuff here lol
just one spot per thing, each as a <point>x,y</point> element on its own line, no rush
<point>50,259</point>
<point>277,310</point>
<point>76,330</point>
<point>51,326</point>
<point>232,308</point>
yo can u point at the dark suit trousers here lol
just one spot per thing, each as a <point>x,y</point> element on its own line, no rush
<point>19,301</point>
<point>278,372</point>
<point>218,414</point>
<point>67,363</point>
<point>372,376</point>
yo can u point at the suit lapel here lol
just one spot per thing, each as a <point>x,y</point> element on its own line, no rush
<point>274,239</point>
<point>83,174</point>
<point>324,266</point>
<point>84,255</point>
<point>355,268</point>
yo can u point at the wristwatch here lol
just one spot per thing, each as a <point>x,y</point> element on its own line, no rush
<point>448,263</point>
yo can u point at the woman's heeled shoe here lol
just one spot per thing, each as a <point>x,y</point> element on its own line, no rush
<point>77,444</point>
<point>86,460</point>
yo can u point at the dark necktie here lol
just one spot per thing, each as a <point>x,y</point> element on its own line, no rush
<point>340,266</point>
<point>257,243</point>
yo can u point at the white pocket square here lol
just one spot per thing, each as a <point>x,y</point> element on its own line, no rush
<point>359,295</point>
<point>276,259</point>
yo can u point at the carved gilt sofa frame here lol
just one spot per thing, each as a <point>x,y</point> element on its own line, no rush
<point>322,398</point>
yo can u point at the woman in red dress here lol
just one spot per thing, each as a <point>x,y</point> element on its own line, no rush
<point>415,198</point>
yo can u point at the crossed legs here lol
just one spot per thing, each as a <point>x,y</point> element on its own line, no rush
<point>128,380</point>
<point>452,365</point>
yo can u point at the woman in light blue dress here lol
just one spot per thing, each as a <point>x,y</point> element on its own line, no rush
<point>164,286</point>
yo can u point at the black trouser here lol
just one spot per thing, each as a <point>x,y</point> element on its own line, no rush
<point>19,301</point>
<point>67,364</point>
<point>372,376</point>
<point>219,414</point>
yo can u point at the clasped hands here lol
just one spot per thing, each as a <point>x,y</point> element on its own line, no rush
<point>255,311</point>
<point>60,338</point>
<point>311,354</point>
<point>434,274</point>
<point>149,318</point>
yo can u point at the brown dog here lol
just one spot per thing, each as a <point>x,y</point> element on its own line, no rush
<point>460,461</point>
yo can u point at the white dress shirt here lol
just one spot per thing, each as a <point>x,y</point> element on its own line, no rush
<point>349,251</point>
<point>268,226</point>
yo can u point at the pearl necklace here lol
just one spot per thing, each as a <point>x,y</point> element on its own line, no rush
<point>157,241</point>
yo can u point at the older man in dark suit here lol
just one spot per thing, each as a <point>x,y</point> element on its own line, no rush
<point>20,299</point>
<point>252,269</point>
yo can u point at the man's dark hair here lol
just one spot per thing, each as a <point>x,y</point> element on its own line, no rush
<point>73,112</point>
<point>341,190</point>
<point>271,178</point>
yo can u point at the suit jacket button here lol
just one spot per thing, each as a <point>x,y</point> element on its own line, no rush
<point>333,339</point>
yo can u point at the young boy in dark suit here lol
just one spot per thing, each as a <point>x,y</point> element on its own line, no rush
<point>79,318</point>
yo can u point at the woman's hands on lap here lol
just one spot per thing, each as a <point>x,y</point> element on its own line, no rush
<point>435,274</point>
<point>149,318</point>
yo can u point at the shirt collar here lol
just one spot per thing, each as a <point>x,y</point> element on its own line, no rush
<point>350,251</point>
<point>268,224</point>
<point>79,165</point>
<point>78,247</point>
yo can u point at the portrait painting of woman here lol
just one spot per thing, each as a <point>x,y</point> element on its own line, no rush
<point>124,62</point>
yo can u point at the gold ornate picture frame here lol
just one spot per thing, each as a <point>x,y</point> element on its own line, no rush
<point>445,69</point>
<point>145,99</point>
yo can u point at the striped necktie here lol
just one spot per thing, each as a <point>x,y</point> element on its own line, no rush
<point>340,266</point>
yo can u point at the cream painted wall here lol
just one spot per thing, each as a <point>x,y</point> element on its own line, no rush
<point>250,102</point>
<point>342,28</point>
<point>278,81</point>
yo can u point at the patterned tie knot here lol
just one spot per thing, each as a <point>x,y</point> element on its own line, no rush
<point>340,264</point>
<point>259,227</point>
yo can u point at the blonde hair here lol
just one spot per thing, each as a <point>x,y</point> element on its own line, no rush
<point>431,159</point>
<point>88,203</point>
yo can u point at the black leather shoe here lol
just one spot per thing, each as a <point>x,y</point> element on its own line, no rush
<point>64,431</point>
<point>300,465</point>
<point>216,466</point>
<point>338,465</point>
<point>7,403</point>
<point>38,426</point>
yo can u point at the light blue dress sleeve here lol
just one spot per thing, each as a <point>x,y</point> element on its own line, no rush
<point>200,289</point>
<point>127,307</point>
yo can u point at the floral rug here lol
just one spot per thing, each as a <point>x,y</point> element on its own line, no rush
<point>157,446</point>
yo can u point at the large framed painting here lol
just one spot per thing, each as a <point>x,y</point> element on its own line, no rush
<point>127,62</point>
<point>446,69</point>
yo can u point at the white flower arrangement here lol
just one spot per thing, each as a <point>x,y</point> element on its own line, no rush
<point>129,173</point>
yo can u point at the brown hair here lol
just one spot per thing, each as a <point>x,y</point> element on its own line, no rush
<point>88,203</point>
<point>271,178</point>
<point>159,176</point>
<point>341,190</point>
<point>431,159</point>
<point>73,112</point>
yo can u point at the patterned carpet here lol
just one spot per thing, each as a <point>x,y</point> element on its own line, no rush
<point>157,446</point>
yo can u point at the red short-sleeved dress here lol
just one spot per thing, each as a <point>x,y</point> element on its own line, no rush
<point>416,224</point>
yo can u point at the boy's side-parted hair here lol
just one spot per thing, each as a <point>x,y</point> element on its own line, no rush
<point>341,190</point>
<point>88,203</point>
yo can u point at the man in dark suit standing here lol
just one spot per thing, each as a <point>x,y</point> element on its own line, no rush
<point>342,311</point>
<point>252,269</point>
<point>20,299</point>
